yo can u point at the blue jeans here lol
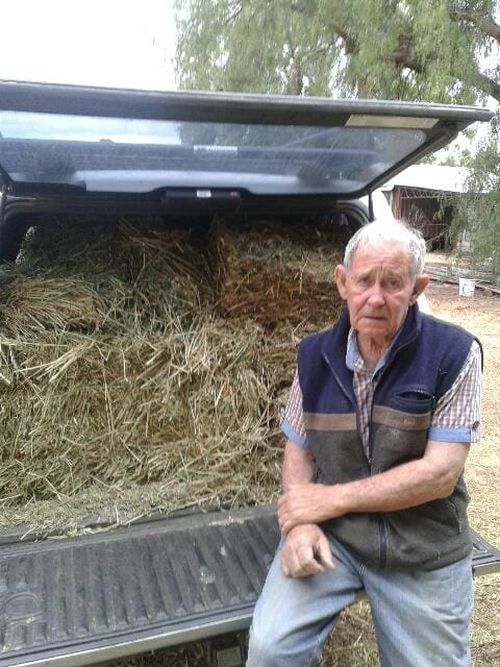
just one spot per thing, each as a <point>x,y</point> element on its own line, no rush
<point>421,619</point>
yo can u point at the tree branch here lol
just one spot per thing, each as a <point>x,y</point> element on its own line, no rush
<point>350,43</point>
<point>235,11</point>
<point>486,24</point>
<point>403,57</point>
<point>489,85</point>
<point>322,50</point>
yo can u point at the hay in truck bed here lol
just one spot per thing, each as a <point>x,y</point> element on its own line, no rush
<point>162,253</point>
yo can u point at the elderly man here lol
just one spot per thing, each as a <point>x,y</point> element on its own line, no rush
<point>381,413</point>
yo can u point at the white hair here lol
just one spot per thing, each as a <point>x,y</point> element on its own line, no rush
<point>389,231</point>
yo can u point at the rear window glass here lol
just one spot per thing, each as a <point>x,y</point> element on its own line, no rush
<point>134,155</point>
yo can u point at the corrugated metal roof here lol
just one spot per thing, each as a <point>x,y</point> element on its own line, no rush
<point>431,177</point>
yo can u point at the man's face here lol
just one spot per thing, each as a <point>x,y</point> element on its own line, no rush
<point>378,289</point>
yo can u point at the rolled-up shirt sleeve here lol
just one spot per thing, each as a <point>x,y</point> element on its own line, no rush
<point>292,419</point>
<point>457,417</point>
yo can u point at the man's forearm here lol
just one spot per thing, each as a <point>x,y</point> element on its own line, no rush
<point>410,484</point>
<point>298,466</point>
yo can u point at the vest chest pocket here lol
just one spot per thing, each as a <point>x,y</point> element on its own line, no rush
<point>415,402</point>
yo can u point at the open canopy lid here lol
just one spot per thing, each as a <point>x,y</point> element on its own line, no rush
<point>110,140</point>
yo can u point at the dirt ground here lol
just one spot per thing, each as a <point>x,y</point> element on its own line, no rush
<point>481,316</point>
<point>353,644</point>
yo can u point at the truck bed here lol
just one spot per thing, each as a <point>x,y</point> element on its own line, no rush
<point>156,584</point>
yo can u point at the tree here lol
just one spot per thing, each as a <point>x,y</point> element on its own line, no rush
<point>413,49</point>
<point>425,50</point>
<point>478,211</point>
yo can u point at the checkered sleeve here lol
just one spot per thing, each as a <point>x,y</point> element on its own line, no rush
<point>292,421</point>
<point>457,414</point>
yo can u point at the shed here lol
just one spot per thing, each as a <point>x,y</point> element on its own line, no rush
<point>415,195</point>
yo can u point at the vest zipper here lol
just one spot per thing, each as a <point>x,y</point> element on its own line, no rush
<point>382,526</point>
<point>382,530</point>
<point>347,393</point>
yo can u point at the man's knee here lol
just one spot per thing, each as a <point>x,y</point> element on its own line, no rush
<point>264,649</point>
<point>267,648</point>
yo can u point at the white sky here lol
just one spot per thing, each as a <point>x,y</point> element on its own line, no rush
<point>116,43</point>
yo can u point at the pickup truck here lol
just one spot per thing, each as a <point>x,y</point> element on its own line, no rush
<point>192,575</point>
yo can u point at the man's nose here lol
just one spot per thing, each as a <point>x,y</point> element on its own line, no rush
<point>376,297</point>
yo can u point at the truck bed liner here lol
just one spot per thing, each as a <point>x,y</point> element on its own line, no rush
<point>78,601</point>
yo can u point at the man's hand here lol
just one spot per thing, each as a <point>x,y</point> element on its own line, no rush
<point>306,552</point>
<point>306,503</point>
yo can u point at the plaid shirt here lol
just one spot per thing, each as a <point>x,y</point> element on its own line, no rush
<point>456,417</point>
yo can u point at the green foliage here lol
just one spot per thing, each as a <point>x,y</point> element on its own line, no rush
<point>415,49</point>
<point>479,211</point>
<point>424,50</point>
<point>257,46</point>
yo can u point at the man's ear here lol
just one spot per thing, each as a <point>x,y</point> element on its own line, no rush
<point>340,279</point>
<point>420,284</point>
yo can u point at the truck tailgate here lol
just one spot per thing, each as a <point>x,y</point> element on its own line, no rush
<point>78,601</point>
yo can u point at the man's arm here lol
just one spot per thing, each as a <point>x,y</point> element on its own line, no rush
<point>306,550</point>
<point>433,476</point>
<point>298,466</point>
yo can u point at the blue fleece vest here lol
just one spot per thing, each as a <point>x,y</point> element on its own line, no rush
<point>422,365</point>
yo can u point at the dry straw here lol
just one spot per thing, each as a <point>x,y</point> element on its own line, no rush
<point>143,368</point>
